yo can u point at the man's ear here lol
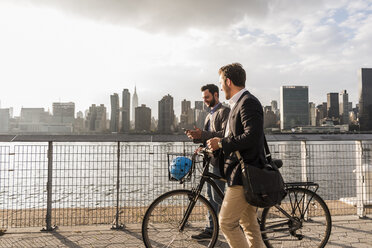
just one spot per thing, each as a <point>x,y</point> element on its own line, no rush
<point>228,82</point>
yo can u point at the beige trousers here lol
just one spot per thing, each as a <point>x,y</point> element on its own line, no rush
<point>234,211</point>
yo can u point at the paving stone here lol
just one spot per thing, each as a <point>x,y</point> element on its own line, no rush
<point>347,231</point>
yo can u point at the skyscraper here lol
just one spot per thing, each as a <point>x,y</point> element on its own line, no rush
<point>96,118</point>
<point>199,105</point>
<point>185,106</point>
<point>333,111</point>
<point>143,119</point>
<point>134,104</point>
<point>4,120</point>
<point>344,107</point>
<point>294,106</point>
<point>125,114</point>
<point>365,99</point>
<point>166,115</point>
<point>115,113</point>
<point>312,114</point>
<point>64,112</point>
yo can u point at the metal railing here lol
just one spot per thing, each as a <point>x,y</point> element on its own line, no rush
<point>113,183</point>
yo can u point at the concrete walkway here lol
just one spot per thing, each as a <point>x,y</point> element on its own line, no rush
<point>347,231</point>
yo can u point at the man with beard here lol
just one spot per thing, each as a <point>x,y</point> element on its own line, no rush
<point>214,126</point>
<point>244,133</point>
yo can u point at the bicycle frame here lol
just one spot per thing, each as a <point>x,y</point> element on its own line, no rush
<point>206,176</point>
<point>297,223</point>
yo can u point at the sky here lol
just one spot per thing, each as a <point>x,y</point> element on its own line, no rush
<point>84,51</point>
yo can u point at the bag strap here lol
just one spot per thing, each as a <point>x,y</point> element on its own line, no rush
<point>267,150</point>
<point>244,174</point>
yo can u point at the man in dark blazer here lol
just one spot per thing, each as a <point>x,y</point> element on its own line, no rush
<point>214,125</point>
<point>244,133</point>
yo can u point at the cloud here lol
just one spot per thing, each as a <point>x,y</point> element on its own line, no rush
<point>162,15</point>
<point>163,45</point>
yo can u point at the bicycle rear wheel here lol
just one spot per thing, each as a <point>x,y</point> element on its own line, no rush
<point>311,226</point>
<point>161,223</point>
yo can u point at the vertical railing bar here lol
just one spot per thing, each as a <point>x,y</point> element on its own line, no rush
<point>48,217</point>
<point>359,177</point>
<point>116,225</point>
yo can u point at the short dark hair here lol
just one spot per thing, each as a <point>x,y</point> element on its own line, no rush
<point>234,72</point>
<point>212,88</point>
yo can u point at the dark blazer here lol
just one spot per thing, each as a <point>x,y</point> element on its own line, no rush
<point>245,135</point>
<point>218,123</point>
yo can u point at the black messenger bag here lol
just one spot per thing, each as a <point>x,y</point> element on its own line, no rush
<point>263,187</point>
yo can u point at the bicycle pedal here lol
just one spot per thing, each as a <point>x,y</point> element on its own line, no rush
<point>299,236</point>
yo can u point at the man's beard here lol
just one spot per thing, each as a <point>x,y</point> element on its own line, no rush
<point>212,103</point>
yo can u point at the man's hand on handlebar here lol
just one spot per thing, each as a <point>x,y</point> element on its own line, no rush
<point>213,143</point>
<point>203,151</point>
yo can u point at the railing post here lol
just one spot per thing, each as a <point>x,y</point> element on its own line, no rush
<point>304,177</point>
<point>361,212</point>
<point>48,217</point>
<point>116,224</point>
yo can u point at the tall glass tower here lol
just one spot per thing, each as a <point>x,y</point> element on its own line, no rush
<point>365,99</point>
<point>294,106</point>
<point>134,104</point>
<point>115,113</point>
<point>166,114</point>
<point>125,111</point>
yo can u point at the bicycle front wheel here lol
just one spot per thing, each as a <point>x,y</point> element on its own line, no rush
<point>309,227</point>
<point>161,223</point>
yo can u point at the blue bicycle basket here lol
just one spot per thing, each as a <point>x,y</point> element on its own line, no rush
<point>179,167</point>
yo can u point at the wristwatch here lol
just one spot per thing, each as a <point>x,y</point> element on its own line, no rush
<point>220,144</point>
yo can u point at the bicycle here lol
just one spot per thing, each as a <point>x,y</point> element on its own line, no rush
<point>174,216</point>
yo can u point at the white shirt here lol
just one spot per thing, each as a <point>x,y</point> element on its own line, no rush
<point>233,100</point>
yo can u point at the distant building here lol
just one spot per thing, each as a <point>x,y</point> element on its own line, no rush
<point>321,113</point>
<point>187,118</point>
<point>36,120</point>
<point>344,107</point>
<point>312,114</point>
<point>125,111</point>
<point>185,106</point>
<point>115,113</point>
<point>80,114</point>
<point>134,104</point>
<point>274,108</point>
<point>365,99</point>
<point>199,105</point>
<point>34,115</point>
<point>96,118</point>
<point>4,120</point>
<point>166,115</point>
<point>64,112</point>
<point>270,118</point>
<point>79,126</point>
<point>33,120</point>
<point>294,106</point>
<point>143,119</point>
<point>333,111</point>
<point>200,116</point>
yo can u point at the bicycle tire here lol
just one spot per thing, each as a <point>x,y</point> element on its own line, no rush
<point>315,227</point>
<point>161,221</point>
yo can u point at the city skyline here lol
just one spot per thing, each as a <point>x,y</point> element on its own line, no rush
<point>191,104</point>
<point>296,113</point>
<point>68,51</point>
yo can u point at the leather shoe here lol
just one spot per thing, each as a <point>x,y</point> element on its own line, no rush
<point>203,235</point>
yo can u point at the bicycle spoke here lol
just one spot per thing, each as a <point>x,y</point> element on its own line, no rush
<point>161,225</point>
<point>309,226</point>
